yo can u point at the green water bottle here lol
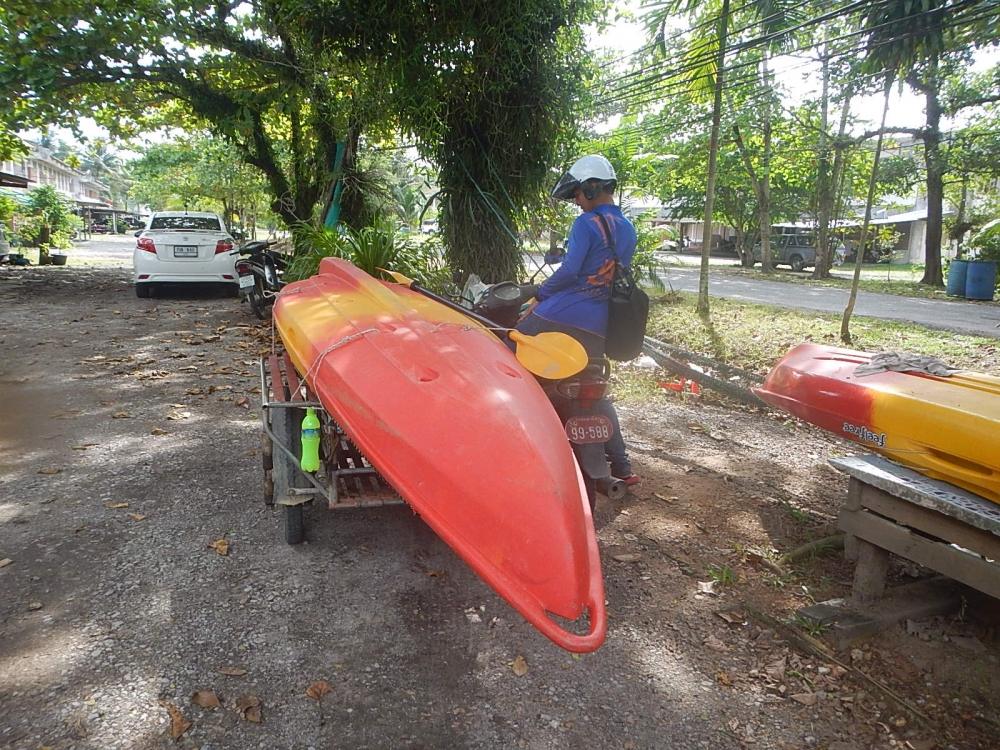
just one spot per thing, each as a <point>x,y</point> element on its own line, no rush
<point>310,441</point>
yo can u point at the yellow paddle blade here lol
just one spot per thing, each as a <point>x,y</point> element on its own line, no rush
<point>398,277</point>
<point>551,355</point>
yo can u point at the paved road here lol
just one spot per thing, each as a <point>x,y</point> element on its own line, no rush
<point>965,317</point>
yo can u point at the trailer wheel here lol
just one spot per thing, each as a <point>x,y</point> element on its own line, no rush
<point>266,451</point>
<point>268,489</point>
<point>295,524</point>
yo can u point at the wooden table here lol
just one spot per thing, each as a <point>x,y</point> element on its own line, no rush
<point>892,509</point>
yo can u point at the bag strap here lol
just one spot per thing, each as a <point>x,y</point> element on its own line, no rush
<point>620,271</point>
<point>608,234</point>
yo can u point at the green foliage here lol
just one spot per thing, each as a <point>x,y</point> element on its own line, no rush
<point>48,220</point>
<point>201,172</point>
<point>370,248</point>
<point>7,208</point>
<point>986,243</point>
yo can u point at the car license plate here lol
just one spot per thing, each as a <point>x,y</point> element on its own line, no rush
<point>585,430</point>
<point>185,251</point>
<point>246,282</point>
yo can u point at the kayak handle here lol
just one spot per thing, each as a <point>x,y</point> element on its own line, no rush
<point>574,642</point>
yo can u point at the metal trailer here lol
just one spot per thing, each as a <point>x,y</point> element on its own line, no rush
<point>345,478</point>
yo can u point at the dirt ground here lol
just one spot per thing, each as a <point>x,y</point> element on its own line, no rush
<point>129,443</point>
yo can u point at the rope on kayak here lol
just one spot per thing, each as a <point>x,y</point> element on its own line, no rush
<point>336,345</point>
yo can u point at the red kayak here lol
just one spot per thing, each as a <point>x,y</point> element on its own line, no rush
<point>461,430</point>
<point>944,426</point>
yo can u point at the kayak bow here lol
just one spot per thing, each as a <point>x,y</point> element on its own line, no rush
<point>944,427</point>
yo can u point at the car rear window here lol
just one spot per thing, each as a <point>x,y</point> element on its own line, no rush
<point>206,223</point>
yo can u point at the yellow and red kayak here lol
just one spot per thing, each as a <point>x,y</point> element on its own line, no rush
<point>446,413</point>
<point>945,427</point>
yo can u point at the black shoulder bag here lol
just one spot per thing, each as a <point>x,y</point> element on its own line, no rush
<point>628,309</point>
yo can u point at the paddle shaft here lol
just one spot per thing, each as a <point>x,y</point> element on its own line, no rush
<point>457,307</point>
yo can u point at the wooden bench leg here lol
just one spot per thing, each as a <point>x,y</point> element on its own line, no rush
<point>853,504</point>
<point>870,572</point>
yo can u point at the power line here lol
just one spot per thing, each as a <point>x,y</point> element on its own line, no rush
<point>625,90</point>
<point>683,85</point>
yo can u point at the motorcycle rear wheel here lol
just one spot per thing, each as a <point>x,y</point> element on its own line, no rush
<point>258,305</point>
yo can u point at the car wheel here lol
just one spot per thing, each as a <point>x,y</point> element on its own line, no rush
<point>142,291</point>
<point>797,262</point>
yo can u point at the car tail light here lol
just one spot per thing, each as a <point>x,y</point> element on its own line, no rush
<point>223,246</point>
<point>243,268</point>
<point>145,243</point>
<point>584,390</point>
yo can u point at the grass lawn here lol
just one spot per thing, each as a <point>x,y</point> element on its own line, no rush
<point>754,336</point>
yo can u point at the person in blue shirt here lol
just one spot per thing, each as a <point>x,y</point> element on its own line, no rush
<point>575,299</point>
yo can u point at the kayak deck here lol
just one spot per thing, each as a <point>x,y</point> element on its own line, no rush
<point>945,427</point>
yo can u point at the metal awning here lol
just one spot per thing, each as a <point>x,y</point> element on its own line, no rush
<point>8,179</point>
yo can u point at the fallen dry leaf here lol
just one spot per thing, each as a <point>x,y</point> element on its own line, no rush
<point>176,416</point>
<point>178,724</point>
<point>318,689</point>
<point>244,402</point>
<point>83,446</point>
<point>121,415</point>
<point>158,431</point>
<point>627,557</point>
<point>519,666</point>
<point>723,678</point>
<point>221,546</point>
<point>249,707</point>
<point>34,606</point>
<point>115,506</point>
<point>49,470</point>
<point>232,671</point>
<point>205,699</point>
<point>776,670</point>
<point>707,587</point>
<point>715,644</point>
<point>5,562</point>
<point>806,699</point>
<point>137,516</point>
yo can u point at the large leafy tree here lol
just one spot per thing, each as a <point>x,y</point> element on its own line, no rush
<point>249,72</point>
<point>200,172</point>
<point>488,90</point>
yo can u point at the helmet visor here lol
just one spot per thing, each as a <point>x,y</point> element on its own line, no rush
<point>565,189</point>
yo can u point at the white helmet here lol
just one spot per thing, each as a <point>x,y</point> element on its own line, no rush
<point>592,167</point>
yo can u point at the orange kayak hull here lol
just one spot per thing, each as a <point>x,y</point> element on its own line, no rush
<point>944,427</point>
<point>444,411</point>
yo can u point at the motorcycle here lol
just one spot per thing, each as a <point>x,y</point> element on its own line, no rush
<point>576,399</point>
<point>259,271</point>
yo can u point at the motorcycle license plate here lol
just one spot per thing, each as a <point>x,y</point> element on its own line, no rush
<point>246,282</point>
<point>185,251</point>
<point>584,430</point>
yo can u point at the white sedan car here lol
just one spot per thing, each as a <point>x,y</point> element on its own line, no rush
<point>183,247</point>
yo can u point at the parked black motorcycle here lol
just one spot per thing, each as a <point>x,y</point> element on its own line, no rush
<point>576,399</point>
<point>259,270</point>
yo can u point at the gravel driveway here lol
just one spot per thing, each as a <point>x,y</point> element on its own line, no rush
<point>130,445</point>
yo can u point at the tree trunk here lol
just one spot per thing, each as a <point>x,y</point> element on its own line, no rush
<point>845,325</point>
<point>959,232</point>
<point>713,155</point>
<point>824,182</point>
<point>764,199</point>
<point>935,180</point>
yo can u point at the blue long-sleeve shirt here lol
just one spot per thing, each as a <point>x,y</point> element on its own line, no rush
<point>577,293</point>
